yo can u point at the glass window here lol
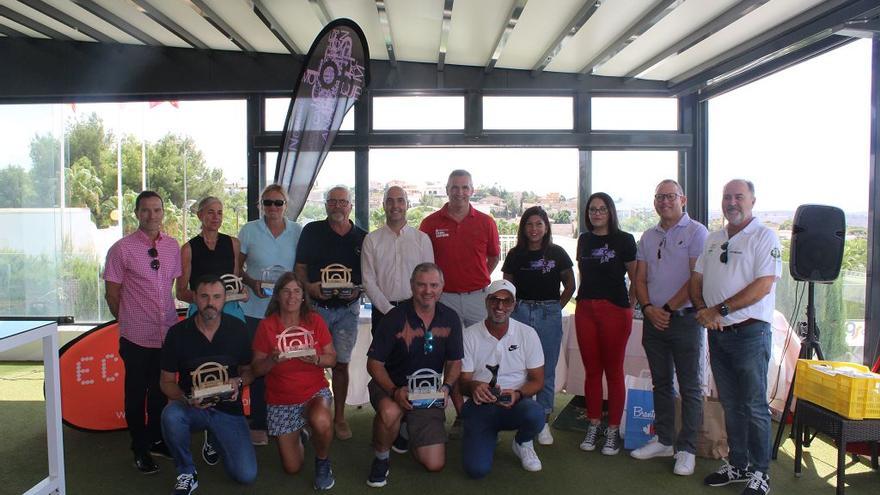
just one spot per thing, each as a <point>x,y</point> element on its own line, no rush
<point>630,178</point>
<point>60,190</point>
<point>528,112</point>
<point>276,114</point>
<point>802,136</point>
<point>418,112</point>
<point>423,174</point>
<point>634,114</point>
<point>337,169</point>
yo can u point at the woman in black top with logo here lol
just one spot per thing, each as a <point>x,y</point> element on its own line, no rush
<point>537,267</point>
<point>603,317</point>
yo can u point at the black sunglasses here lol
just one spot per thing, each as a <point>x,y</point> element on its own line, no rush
<point>273,202</point>
<point>662,243</point>
<point>429,342</point>
<point>155,255</point>
<point>724,253</point>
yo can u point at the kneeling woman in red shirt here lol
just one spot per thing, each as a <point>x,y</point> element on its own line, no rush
<point>297,392</point>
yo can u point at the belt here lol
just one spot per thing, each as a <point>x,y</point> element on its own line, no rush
<point>546,302</point>
<point>683,311</point>
<point>741,324</point>
<point>466,293</point>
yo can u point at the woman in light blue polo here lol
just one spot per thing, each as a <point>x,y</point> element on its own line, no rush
<point>265,243</point>
<point>537,267</point>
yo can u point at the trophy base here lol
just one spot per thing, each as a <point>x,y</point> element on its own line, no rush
<point>268,288</point>
<point>502,398</point>
<point>234,296</point>
<point>297,353</point>
<point>428,400</point>
<point>337,290</point>
<point>223,391</point>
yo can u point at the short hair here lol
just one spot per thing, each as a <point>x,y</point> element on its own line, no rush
<point>206,201</point>
<point>145,195</point>
<point>338,188</point>
<point>425,268</point>
<point>274,188</point>
<point>673,182</point>
<point>207,279</point>
<point>613,226</point>
<point>385,194</point>
<point>748,184</point>
<point>460,172</point>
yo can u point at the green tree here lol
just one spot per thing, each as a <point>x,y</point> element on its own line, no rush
<point>44,153</point>
<point>16,188</point>
<point>639,220</point>
<point>562,216</point>
<point>84,187</point>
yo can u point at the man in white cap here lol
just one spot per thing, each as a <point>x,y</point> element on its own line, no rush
<point>502,370</point>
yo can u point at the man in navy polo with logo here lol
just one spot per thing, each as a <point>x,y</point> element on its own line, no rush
<point>733,288</point>
<point>323,243</point>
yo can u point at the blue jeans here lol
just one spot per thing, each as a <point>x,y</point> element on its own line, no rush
<point>546,318</point>
<point>675,352</point>
<point>230,436</point>
<point>258,387</point>
<point>342,322</point>
<point>481,426</point>
<point>739,359</point>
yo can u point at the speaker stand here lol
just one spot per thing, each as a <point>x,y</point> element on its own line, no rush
<point>809,346</point>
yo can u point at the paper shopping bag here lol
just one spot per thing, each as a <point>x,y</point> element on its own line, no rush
<point>637,424</point>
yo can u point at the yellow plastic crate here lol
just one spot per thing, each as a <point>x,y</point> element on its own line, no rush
<point>851,397</point>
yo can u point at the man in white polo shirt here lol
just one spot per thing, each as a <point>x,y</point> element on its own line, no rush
<point>733,287</point>
<point>505,353</point>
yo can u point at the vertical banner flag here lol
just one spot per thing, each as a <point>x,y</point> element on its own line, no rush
<point>334,75</point>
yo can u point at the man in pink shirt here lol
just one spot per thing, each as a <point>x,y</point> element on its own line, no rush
<point>138,275</point>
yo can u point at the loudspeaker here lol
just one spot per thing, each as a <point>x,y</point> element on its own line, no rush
<point>817,238</point>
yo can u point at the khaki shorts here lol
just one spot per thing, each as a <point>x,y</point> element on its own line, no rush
<point>425,426</point>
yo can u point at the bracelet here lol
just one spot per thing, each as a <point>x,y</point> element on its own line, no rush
<point>646,306</point>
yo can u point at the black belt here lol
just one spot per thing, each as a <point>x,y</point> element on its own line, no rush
<point>741,324</point>
<point>539,303</point>
<point>683,311</point>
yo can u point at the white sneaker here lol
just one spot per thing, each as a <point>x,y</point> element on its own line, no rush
<point>684,463</point>
<point>528,456</point>
<point>545,437</point>
<point>652,449</point>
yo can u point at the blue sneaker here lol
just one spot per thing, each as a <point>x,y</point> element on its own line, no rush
<point>379,473</point>
<point>324,479</point>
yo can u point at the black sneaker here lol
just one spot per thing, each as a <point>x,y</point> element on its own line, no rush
<point>725,475</point>
<point>145,463</point>
<point>612,442</point>
<point>400,445</point>
<point>209,453</point>
<point>379,473</point>
<point>160,449</point>
<point>186,484</point>
<point>759,484</point>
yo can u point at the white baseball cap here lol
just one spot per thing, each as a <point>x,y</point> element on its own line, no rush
<point>501,285</point>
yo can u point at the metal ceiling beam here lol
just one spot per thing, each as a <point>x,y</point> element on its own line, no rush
<point>516,11</point>
<point>445,25</point>
<point>8,31</point>
<point>723,20</point>
<point>640,27</point>
<point>119,23</point>
<point>385,22</point>
<point>214,19</point>
<point>809,27</point>
<point>275,27</point>
<point>32,24</point>
<point>862,28</point>
<point>576,23</point>
<point>145,8</point>
<point>69,21</point>
<point>321,11</point>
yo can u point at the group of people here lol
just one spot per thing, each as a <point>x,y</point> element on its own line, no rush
<point>492,344</point>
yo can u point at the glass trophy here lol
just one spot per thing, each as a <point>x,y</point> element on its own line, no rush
<point>493,385</point>
<point>210,382</point>
<point>295,342</point>
<point>269,277</point>
<point>425,389</point>
<point>336,281</point>
<point>234,287</point>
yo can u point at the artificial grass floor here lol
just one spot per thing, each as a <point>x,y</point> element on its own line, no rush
<point>100,463</point>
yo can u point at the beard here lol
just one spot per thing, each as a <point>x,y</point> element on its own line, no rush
<point>735,216</point>
<point>209,313</point>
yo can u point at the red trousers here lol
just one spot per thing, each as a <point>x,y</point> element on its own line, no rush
<point>602,331</point>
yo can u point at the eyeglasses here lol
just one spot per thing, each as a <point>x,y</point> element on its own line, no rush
<point>724,252</point>
<point>337,202</point>
<point>503,301</point>
<point>273,202</point>
<point>662,243</point>
<point>598,211</point>
<point>429,341</point>
<point>153,253</point>
<point>667,196</point>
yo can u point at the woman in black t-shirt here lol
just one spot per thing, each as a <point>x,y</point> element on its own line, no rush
<point>603,317</point>
<point>536,267</point>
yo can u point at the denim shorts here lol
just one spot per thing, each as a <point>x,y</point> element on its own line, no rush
<point>343,324</point>
<point>288,418</point>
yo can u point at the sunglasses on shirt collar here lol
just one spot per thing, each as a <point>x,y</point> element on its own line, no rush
<point>153,253</point>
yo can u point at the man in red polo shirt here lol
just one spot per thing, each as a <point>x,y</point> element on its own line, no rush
<point>466,247</point>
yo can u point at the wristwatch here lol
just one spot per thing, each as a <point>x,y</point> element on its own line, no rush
<point>723,310</point>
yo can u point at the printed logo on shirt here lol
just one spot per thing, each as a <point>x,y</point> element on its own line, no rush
<point>542,265</point>
<point>775,254</point>
<point>513,348</point>
<point>438,233</point>
<point>604,254</point>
